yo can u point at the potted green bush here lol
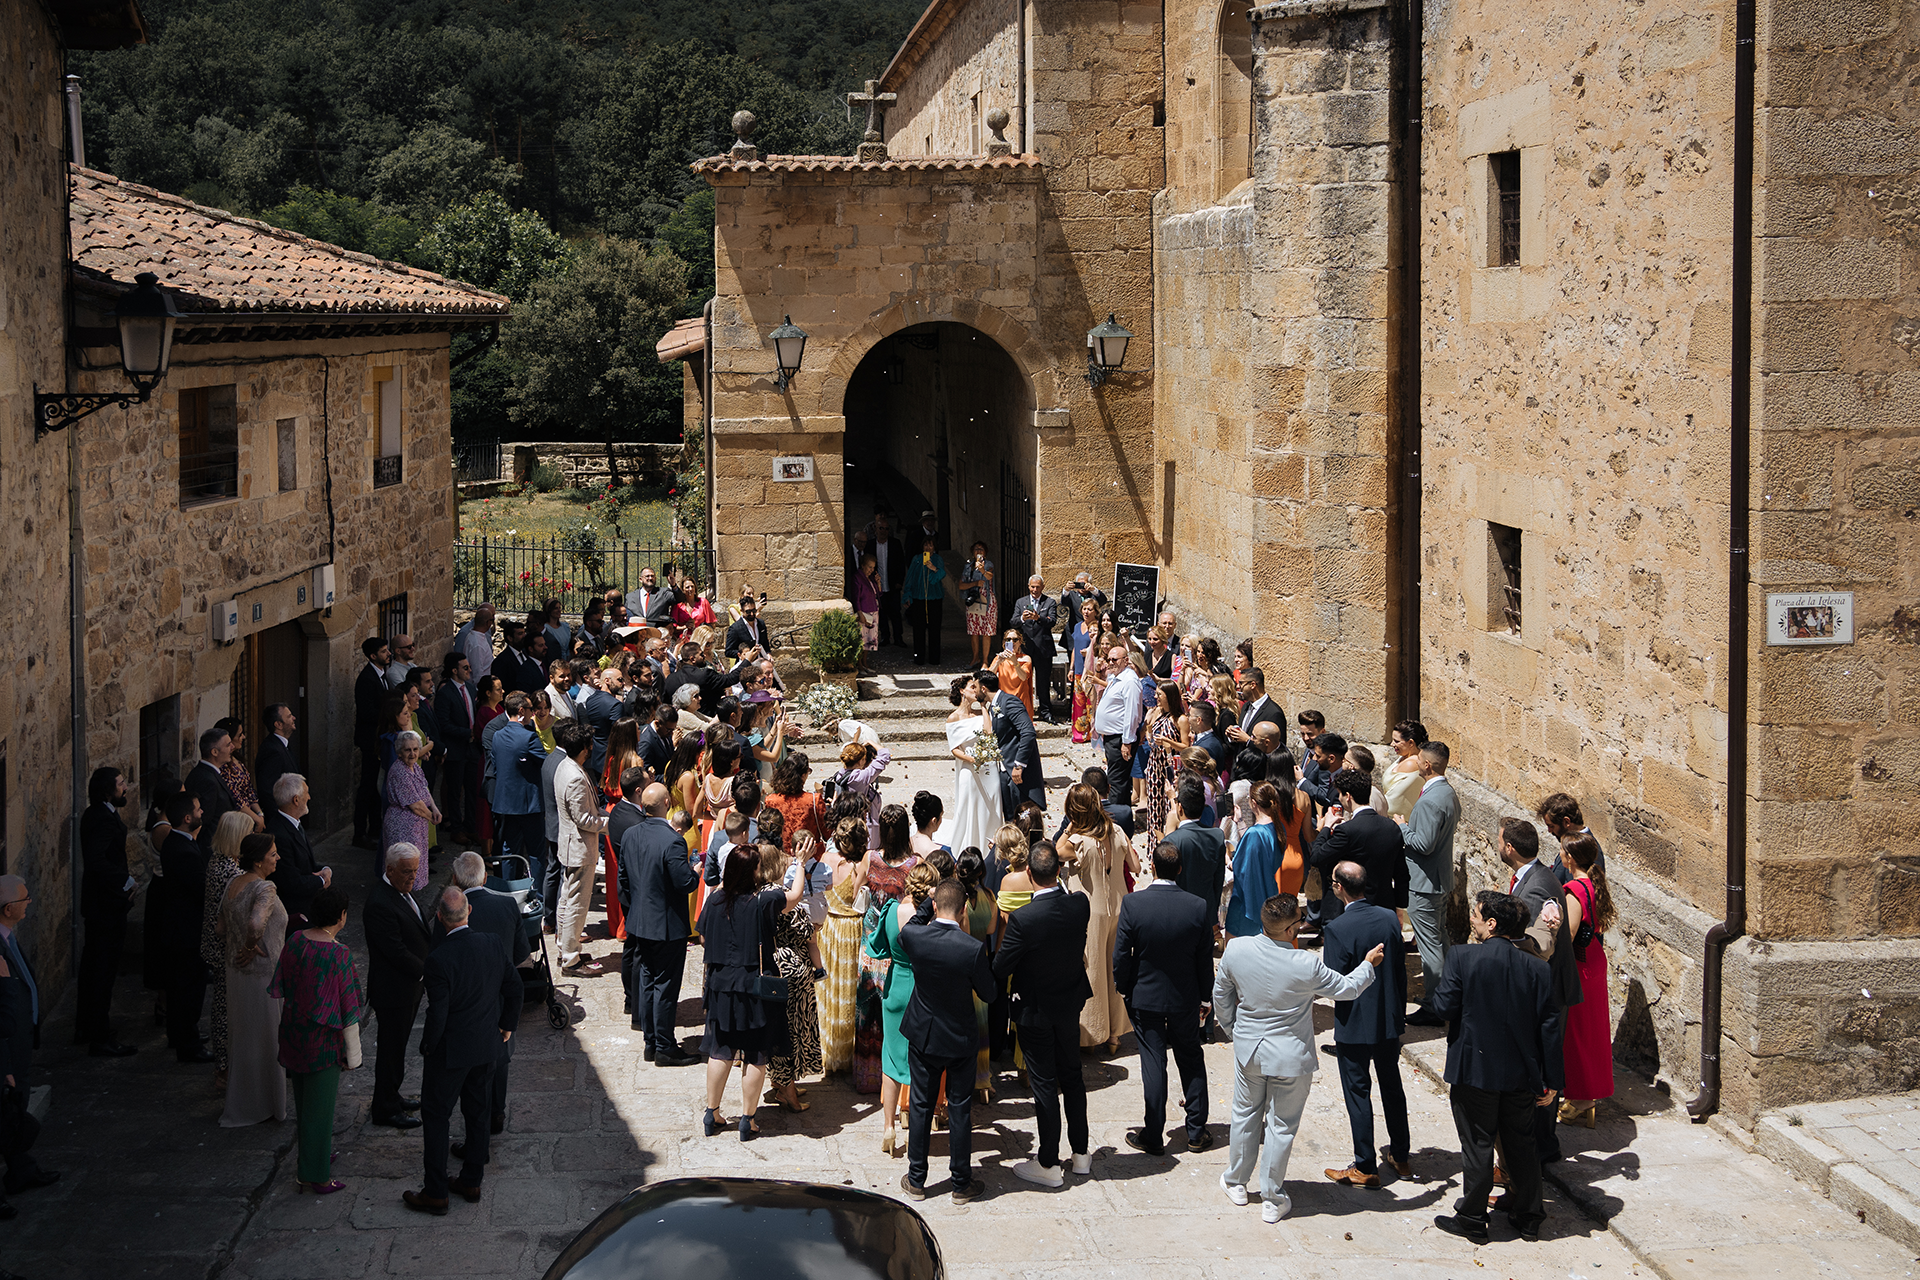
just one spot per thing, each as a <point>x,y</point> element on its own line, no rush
<point>833,647</point>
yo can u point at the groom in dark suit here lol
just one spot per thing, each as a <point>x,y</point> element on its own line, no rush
<point>1019,750</point>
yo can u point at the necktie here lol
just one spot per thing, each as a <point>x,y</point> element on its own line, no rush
<point>26,975</point>
<point>468,699</point>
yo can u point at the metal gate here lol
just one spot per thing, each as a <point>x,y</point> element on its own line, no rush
<point>1016,540</point>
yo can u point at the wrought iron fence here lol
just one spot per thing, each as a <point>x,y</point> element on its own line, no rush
<point>476,460</point>
<point>521,574</point>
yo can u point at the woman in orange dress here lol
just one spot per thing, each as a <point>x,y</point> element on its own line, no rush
<point>1290,813</point>
<point>623,753</point>
<point>1015,670</point>
<point>790,798</point>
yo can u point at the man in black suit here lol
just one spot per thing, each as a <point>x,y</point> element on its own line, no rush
<point>1019,750</point>
<point>655,744</point>
<point>1206,718</point>
<point>21,1010</point>
<point>1561,815</point>
<point>453,708</point>
<point>1043,953</point>
<point>1363,835</point>
<point>184,864</point>
<point>275,756</point>
<point>1163,968</point>
<point>205,783</point>
<point>299,875</point>
<point>1202,849</point>
<point>622,818</point>
<point>1255,708</point>
<point>473,1005</point>
<point>522,665</point>
<point>1498,1004</point>
<point>598,709</point>
<point>950,969</point>
<point>1367,1028</point>
<point>369,691</point>
<point>106,895</point>
<point>495,913</point>
<point>1544,896</point>
<point>890,555</point>
<point>748,632</point>
<point>397,946</point>
<point>655,879</point>
<point>1033,616</point>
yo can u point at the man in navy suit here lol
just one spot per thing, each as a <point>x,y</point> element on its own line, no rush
<point>1367,1028</point>
<point>1163,967</point>
<point>1019,751</point>
<point>1365,836</point>
<point>275,757</point>
<point>598,709</point>
<point>655,879</point>
<point>1501,1018</point>
<point>950,969</point>
<point>495,913</point>
<point>453,708</point>
<point>1043,956</point>
<point>473,1004</point>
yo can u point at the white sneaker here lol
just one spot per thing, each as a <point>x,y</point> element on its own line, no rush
<point>1040,1174</point>
<point>1235,1192</point>
<point>1083,1164</point>
<point>1274,1210</point>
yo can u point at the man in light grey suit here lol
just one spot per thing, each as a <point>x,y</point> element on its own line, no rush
<point>1263,994</point>
<point>1429,845</point>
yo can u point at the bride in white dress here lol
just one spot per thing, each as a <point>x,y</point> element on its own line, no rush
<point>976,815</point>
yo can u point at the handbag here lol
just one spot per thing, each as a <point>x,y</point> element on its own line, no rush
<point>350,1044</point>
<point>973,596</point>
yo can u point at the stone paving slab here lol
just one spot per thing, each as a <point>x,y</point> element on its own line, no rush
<point>1863,1153</point>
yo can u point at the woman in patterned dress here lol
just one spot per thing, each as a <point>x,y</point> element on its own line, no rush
<point>1167,735</point>
<point>410,807</point>
<point>223,865</point>
<point>983,609</point>
<point>320,998</point>
<point>792,942</point>
<point>840,944</point>
<point>234,774</point>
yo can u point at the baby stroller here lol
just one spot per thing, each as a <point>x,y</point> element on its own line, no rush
<point>512,875</point>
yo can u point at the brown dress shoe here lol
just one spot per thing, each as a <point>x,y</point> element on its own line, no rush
<point>424,1204</point>
<point>1352,1177</point>
<point>470,1192</point>
<point>1404,1168</point>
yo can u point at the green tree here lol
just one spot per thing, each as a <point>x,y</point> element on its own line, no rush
<point>436,169</point>
<point>584,342</point>
<point>351,223</point>
<point>489,244</point>
<point>688,235</point>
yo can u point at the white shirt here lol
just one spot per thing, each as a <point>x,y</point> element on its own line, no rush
<point>879,549</point>
<point>1052,888</point>
<point>1170,884</point>
<point>1119,710</point>
<point>478,646</point>
<point>1253,709</point>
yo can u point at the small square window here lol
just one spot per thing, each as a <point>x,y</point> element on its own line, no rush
<point>287,452</point>
<point>1503,209</point>
<point>1503,578</point>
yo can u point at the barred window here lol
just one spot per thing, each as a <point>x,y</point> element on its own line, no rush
<point>209,445</point>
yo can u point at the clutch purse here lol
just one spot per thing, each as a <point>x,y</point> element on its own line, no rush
<point>350,1045</point>
<point>770,987</point>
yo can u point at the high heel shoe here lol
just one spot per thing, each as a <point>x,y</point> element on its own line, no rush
<point>321,1188</point>
<point>794,1105</point>
<point>1583,1116</point>
<point>887,1142</point>
<point>710,1120</point>
<point>748,1129</point>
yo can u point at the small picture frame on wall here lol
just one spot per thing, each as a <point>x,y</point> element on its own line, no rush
<point>1810,617</point>
<point>793,470</point>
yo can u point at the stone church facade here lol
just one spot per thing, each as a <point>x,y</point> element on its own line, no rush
<point>1454,388</point>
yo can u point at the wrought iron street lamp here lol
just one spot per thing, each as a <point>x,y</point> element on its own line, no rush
<point>1106,349</point>
<point>789,343</point>
<point>146,316</point>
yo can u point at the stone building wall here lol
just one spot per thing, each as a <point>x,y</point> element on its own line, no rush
<point>961,62</point>
<point>154,569</point>
<point>35,679</point>
<point>1208,98</point>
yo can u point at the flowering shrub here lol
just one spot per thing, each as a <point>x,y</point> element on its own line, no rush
<point>826,705</point>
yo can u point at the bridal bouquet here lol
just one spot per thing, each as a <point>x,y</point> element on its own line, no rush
<point>985,751</point>
<point>826,705</point>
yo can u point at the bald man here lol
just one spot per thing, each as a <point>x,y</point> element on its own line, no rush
<point>655,879</point>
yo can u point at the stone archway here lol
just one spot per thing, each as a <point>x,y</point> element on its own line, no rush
<point>940,416</point>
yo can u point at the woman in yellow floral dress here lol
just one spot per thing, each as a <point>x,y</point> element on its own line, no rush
<point>840,945</point>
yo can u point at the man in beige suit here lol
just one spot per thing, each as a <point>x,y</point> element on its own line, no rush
<point>580,823</point>
<point>1263,995</point>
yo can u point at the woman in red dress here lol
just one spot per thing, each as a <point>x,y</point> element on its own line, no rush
<point>1588,1047</point>
<point>692,610</point>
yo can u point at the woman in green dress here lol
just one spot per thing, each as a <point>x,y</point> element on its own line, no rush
<point>895,1075</point>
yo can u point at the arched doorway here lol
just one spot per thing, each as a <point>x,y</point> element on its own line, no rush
<point>939,417</point>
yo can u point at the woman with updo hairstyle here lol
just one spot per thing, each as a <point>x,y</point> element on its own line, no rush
<point>1256,864</point>
<point>927,810</point>
<point>792,948</point>
<point>1402,779</point>
<point>982,920</point>
<point>840,942</point>
<point>896,989</point>
<point>887,870</point>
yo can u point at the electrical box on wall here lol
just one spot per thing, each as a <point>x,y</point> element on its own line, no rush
<point>322,587</point>
<point>226,621</point>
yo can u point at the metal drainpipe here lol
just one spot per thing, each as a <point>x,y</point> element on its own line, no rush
<point>1412,101</point>
<point>76,537</point>
<point>1738,565</point>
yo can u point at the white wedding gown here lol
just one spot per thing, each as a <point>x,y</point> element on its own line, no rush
<point>975,818</point>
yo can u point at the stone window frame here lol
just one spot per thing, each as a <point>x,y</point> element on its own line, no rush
<point>1519,120</point>
<point>1521,502</point>
<point>199,495</point>
<point>1233,112</point>
<point>388,382</point>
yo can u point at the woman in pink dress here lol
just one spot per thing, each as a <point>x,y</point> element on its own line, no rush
<point>1589,1039</point>
<point>692,610</point>
<point>410,807</point>
<point>866,607</point>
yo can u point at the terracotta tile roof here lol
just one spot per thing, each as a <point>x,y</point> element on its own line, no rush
<point>683,340</point>
<point>216,262</point>
<point>824,164</point>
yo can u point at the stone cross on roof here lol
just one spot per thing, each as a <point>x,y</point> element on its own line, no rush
<point>873,146</point>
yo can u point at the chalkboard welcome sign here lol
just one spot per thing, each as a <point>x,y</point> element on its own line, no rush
<point>1135,589</point>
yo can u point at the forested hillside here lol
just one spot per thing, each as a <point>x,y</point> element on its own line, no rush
<point>367,122</point>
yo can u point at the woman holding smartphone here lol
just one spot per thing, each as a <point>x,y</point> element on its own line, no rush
<point>983,606</point>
